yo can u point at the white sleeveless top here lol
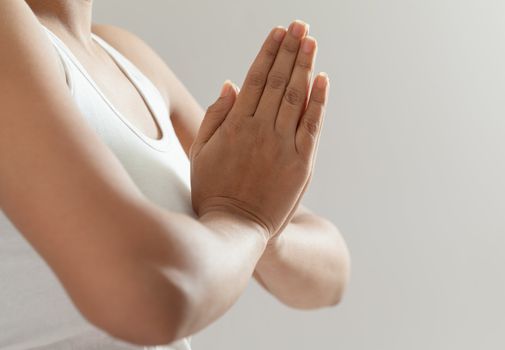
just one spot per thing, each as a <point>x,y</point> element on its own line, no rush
<point>35,311</point>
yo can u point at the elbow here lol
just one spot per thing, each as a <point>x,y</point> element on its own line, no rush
<point>150,316</point>
<point>136,333</point>
<point>338,296</point>
<point>342,274</point>
<point>155,331</point>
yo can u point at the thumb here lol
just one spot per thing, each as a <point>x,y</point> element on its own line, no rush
<point>216,113</point>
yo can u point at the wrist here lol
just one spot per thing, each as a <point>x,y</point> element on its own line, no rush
<point>232,221</point>
<point>243,211</point>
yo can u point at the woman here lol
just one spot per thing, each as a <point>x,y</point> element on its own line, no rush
<point>103,245</point>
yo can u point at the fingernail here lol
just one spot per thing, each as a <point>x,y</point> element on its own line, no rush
<point>279,33</point>
<point>226,89</point>
<point>235,87</point>
<point>308,45</point>
<point>322,80</point>
<point>298,28</point>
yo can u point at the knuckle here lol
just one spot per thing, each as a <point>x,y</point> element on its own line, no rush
<point>256,78</point>
<point>293,96</point>
<point>304,65</point>
<point>270,52</point>
<point>277,80</point>
<point>311,126</point>
<point>319,101</point>
<point>291,47</point>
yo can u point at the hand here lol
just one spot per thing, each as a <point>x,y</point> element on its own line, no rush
<point>254,152</point>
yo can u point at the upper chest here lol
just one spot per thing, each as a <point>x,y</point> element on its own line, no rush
<point>109,91</point>
<point>119,87</point>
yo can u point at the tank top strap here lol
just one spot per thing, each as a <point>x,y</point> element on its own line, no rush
<point>151,94</point>
<point>61,51</point>
<point>138,78</point>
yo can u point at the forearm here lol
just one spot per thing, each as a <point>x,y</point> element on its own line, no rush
<point>209,260</point>
<point>307,266</point>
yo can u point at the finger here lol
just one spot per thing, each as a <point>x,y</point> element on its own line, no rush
<point>255,79</point>
<point>295,97</point>
<point>217,112</point>
<point>309,127</point>
<point>279,75</point>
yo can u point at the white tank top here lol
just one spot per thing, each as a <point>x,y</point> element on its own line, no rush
<point>35,311</point>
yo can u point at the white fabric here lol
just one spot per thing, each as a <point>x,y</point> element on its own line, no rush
<point>35,311</point>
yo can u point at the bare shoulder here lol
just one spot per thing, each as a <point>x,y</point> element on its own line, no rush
<point>185,112</point>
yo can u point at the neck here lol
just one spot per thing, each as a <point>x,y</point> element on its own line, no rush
<point>72,16</point>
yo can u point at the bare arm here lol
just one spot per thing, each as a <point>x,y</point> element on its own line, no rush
<point>308,266</point>
<point>139,272</point>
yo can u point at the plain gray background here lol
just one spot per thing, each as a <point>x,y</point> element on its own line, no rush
<point>410,165</point>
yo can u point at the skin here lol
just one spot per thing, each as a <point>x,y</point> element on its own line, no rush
<point>300,257</point>
<point>306,267</point>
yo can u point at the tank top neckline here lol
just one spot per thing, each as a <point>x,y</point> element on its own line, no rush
<point>134,76</point>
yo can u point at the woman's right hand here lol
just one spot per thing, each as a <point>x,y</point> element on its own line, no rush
<point>254,151</point>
